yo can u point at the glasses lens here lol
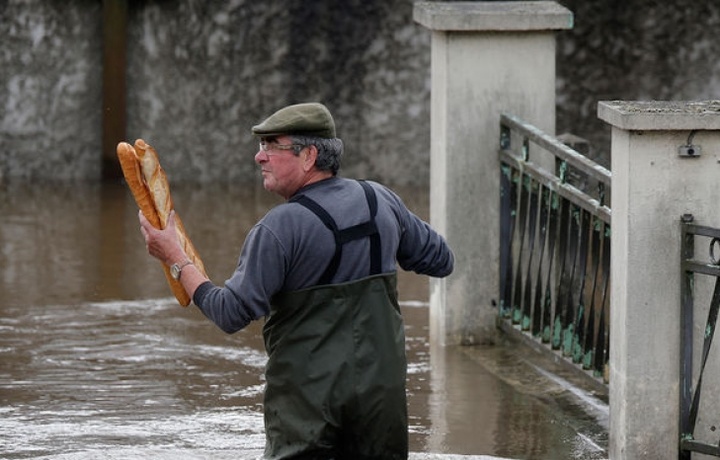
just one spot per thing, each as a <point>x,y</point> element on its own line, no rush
<point>266,147</point>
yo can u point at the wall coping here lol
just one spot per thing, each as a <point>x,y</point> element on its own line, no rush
<point>661,115</point>
<point>493,16</point>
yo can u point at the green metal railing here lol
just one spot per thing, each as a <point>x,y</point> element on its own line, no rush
<point>690,395</point>
<point>555,247</point>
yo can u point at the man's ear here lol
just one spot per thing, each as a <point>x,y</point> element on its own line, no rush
<point>311,154</point>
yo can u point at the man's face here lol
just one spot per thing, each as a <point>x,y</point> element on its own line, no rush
<point>282,170</point>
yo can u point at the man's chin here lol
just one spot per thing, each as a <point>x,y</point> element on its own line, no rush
<point>268,185</point>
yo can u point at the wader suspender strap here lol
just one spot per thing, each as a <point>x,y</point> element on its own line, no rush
<point>366,229</point>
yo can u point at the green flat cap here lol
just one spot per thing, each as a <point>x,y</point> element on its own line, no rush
<point>310,119</point>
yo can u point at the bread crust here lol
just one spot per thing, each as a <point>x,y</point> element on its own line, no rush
<point>149,186</point>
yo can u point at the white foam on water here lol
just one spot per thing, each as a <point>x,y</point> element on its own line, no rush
<point>88,434</point>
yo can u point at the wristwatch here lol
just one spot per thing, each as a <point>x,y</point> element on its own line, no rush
<point>176,269</point>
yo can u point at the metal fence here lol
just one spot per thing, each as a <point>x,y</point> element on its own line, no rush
<point>555,247</point>
<point>690,395</point>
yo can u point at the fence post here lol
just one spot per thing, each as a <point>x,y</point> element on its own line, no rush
<point>656,179</point>
<point>487,58</point>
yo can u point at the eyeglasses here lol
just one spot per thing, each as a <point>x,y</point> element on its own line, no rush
<point>268,146</point>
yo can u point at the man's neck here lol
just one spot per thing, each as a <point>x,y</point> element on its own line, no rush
<point>315,180</point>
<point>317,176</point>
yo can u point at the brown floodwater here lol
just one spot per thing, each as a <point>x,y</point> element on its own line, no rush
<point>97,360</point>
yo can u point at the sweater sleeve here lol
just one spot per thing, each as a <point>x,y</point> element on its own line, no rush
<point>222,308</point>
<point>246,295</point>
<point>423,250</point>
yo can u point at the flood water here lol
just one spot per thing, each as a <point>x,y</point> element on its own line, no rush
<point>98,361</point>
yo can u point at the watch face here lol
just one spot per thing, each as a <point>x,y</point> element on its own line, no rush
<point>175,271</point>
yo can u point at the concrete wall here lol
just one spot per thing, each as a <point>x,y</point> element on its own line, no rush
<point>201,72</point>
<point>636,50</point>
<point>50,93</point>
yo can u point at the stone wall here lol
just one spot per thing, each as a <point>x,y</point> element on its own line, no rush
<point>634,50</point>
<point>201,72</point>
<point>50,93</point>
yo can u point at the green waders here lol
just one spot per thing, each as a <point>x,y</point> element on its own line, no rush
<point>336,373</point>
<point>336,360</point>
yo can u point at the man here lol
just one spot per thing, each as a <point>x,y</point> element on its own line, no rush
<point>321,268</point>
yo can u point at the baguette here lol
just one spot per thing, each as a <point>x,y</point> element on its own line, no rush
<point>149,186</point>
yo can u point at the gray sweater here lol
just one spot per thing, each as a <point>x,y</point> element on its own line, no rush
<point>290,247</point>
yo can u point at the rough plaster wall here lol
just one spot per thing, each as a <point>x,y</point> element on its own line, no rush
<point>633,50</point>
<point>202,72</point>
<point>50,67</point>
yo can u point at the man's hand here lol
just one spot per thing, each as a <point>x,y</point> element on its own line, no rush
<point>164,245</point>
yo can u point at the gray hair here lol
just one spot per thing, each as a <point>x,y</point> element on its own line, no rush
<point>329,151</point>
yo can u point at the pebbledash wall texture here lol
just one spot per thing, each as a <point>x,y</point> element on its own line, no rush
<point>201,72</point>
<point>50,93</point>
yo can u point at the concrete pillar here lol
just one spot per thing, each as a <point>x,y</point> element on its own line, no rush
<point>487,58</point>
<point>653,186</point>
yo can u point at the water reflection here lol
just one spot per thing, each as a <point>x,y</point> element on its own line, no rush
<point>98,361</point>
